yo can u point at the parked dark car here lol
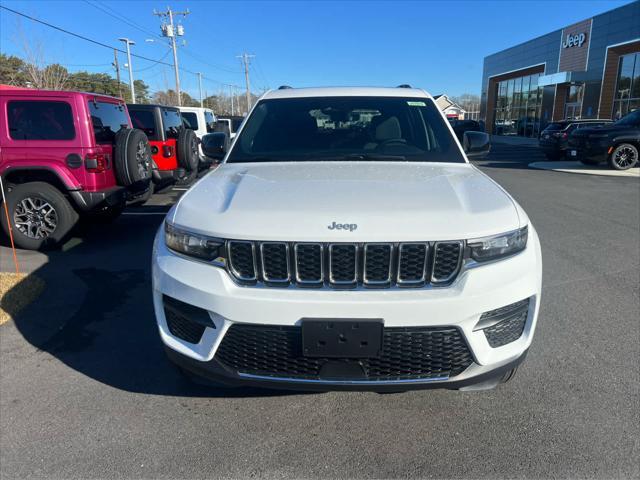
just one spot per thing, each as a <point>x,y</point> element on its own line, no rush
<point>617,143</point>
<point>554,139</point>
<point>461,126</point>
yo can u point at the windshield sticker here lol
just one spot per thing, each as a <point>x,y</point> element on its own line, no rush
<point>416,104</point>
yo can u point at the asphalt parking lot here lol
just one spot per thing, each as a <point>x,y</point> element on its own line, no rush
<point>86,390</point>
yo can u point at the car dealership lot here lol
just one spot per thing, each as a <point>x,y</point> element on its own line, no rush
<point>86,390</point>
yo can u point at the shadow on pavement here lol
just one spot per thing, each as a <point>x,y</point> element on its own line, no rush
<point>96,313</point>
<point>510,156</point>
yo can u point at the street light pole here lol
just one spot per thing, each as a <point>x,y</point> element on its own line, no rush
<point>128,43</point>
<point>200,85</point>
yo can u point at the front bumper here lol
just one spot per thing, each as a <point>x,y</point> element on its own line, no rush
<point>592,152</point>
<point>476,290</point>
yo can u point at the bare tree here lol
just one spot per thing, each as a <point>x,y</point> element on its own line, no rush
<point>41,74</point>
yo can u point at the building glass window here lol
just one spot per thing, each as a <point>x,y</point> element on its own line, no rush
<point>518,106</point>
<point>627,94</point>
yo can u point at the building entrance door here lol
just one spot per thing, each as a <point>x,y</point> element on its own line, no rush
<point>572,110</point>
<point>573,103</point>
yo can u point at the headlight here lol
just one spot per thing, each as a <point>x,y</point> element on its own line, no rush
<point>194,244</point>
<point>492,248</point>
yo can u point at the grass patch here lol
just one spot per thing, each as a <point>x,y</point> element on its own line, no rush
<point>16,292</point>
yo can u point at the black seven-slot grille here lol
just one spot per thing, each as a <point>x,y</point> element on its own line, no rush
<point>407,353</point>
<point>345,265</point>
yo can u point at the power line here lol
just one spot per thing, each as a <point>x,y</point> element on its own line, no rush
<point>82,37</point>
<point>96,42</point>
<point>159,62</point>
<point>212,65</point>
<point>117,16</point>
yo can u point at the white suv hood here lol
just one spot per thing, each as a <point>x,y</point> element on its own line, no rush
<point>398,201</point>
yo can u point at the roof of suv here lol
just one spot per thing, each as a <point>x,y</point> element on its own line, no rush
<point>9,90</point>
<point>149,106</point>
<point>346,92</point>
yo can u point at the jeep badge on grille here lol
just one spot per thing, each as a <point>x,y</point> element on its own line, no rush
<point>343,226</point>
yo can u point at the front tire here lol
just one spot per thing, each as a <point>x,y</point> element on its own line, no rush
<point>40,215</point>
<point>624,157</point>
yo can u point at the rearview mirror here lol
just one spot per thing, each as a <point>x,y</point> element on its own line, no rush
<point>214,145</point>
<point>476,144</point>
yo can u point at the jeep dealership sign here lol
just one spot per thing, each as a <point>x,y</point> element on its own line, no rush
<point>574,40</point>
<point>574,47</point>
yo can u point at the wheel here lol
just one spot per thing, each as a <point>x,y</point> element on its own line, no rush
<point>132,158</point>
<point>40,215</point>
<point>624,157</point>
<point>188,156</point>
<point>508,376</point>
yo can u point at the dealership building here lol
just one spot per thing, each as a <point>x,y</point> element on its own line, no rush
<point>590,69</point>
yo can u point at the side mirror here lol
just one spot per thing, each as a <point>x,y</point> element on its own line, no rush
<point>214,145</point>
<point>476,144</point>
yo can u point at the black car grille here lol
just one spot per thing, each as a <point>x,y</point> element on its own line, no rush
<point>446,261</point>
<point>183,328</point>
<point>510,324</point>
<point>185,321</point>
<point>345,265</point>
<point>407,353</point>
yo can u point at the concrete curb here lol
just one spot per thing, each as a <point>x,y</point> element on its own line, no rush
<point>577,167</point>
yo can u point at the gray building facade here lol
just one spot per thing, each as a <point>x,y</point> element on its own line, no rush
<point>590,69</point>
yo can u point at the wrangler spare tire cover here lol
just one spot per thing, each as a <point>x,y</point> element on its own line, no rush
<point>188,149</point>
<point>132,157</point>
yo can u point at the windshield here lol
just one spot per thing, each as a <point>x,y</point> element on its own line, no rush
<point>631,120</point>
<point>346,128</point>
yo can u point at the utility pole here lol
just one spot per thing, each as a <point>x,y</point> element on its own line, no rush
<point>116,65</point>
<point>133,90</point>
<point>231,94</point>
<point>246,58</point>
<point>172,31</point>
<point>200,85</point>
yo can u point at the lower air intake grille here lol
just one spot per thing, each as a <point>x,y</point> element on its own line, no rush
<point>407,353</point>
<point>511,321</point>
<point>182,327</point>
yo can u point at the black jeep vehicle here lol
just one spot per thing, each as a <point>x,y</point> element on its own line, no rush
<point>553,139</point>
<point>617,143</point>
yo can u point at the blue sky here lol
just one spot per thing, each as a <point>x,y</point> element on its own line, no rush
<point>438,46</point>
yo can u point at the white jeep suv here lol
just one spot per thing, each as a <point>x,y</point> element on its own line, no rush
<point>347,243</point>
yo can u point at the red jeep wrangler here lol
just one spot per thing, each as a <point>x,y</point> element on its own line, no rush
<point>174,148</point>
<point>65,154</point>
